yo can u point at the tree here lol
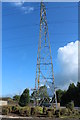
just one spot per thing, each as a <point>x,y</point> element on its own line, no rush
<point>71,92</point>
<point>70,105</point>
<point>78,95</point>
<point>64,97</point>
<point>69,95</point>
<point>43,92</point>
<point>24,98</point>
<point>16,98</point>
<point>59,94</point>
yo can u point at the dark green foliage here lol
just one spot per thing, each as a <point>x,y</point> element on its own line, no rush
<point>25,111</point>
<point>69,95</point>
<point>5,111</point>
<point>33,111</point>
<point>57,113</point>
<point>16,98</point>
<point>50,110</point>
<point>72,94</point>
<point>75,112</point>
<point>70,105</point>
<point>77,99</point>
<point>33,94</point>
<point>64,111</point>
<point>24,98</point>
<point>21,112</point>
<point>42,93</point>
<point>44,110</point>
<point>59,94</point>
<point>9,109</point>
<point>15,109</point>
<point>39,110</point>
<point>49,114</point>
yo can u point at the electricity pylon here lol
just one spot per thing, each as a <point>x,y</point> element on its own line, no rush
<point>44,69</point>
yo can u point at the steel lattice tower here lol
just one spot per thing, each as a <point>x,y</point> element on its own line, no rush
<point>44,69</point>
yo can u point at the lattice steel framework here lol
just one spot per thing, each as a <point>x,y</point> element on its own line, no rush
<point>44,69</point>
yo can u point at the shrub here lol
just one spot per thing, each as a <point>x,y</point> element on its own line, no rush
<point>75,112</point>
<point>52,110</point>
<point>16,98</point>
<point>5,111</point>
<point>69,112</point>
<point>44,110</point>
<point>64,111</point>
<point>9,108</point>
<point>21,112</point>
<point>15,109</point>
<point>70,105</point>
<point>25,111</point>
<point>33,111</point>
<point>49,113</point>
<point>24,98</point>
<point>57,113</point>
<point>28,111</point>
<point>39,110</point>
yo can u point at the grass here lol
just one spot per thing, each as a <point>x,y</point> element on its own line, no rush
<point>71,116</point>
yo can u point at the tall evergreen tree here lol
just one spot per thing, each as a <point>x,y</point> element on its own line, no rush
<point>24,99</point>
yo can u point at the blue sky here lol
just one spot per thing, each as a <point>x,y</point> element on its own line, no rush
<point>20,37</point>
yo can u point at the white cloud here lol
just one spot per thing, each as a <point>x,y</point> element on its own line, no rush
<point>68,61</point>
<point>68,57</point>
<point>25,9</point>
<point>19,4</point>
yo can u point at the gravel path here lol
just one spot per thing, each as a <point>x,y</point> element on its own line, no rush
<point>33,118</point>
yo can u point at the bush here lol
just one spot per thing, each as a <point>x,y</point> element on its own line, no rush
<point>21,112</point>
<point>75,112</point>
<point>39,110</point>
<point>64,111</point>
<point>57,113</point>
<point>70,105</point>
<point>49,113</point>
<point>10,109</point>
<point>69,112</point>
<point>16,98</point>
<point>52,110</point>
<point>24,98</point>
<point>15,109</point>
<point>44,110</point>
<point>33,111</point>
<point>5,111</point>
<point>25,111</point>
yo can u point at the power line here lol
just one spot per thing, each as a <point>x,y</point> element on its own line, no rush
<point>21,26</point>
<point>15,6</point>
<point>62,7</point>
<point>37,24</point>
<point>24,45</point>
<point>15,13</point>
<point>35,9</point>
<point>25,37</point>
<point>19,8</point>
